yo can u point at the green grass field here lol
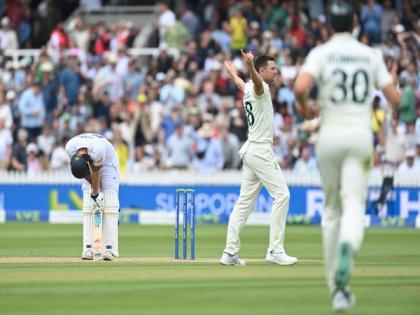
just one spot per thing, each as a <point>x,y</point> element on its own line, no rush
<point>40,273</point>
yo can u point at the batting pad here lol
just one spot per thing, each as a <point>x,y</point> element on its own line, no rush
<point>111,211</point>
<point>87,220</point>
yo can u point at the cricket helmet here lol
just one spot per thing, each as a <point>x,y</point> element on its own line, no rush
<point>80,165</point>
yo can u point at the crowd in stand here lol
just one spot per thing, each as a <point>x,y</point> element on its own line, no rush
<point>183,112</point>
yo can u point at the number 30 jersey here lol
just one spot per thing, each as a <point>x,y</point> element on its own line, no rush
<point>347,72</point>
<point>259,113</point>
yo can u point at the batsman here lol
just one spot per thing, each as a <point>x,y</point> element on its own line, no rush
<point>94,160</point>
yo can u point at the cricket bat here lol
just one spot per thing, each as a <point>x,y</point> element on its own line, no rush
<point>97,235</point>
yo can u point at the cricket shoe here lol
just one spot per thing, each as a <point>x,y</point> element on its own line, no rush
<point>342,272</point>
<point>87,255</point>
<point>342,300</point>
<point>280,258</point>
<point>108,255</point>
<point>231,260</point>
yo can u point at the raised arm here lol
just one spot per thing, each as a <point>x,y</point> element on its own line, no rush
<point>258,83</point>
<point>234,75</point>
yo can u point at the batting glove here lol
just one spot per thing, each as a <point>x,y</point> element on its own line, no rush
<point>97,200</point>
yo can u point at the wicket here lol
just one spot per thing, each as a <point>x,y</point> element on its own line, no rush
<point>188,209</point>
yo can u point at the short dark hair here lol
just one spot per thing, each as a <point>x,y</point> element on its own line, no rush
<point>341,16</point>
<point>261,61</point>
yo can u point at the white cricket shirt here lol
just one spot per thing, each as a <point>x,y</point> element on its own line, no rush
<point>347,73</point>
<point>100,149</point>
<point>259,113</point>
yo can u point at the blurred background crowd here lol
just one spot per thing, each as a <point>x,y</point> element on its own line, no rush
<point>181,111</point>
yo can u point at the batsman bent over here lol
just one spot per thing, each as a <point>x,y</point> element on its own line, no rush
<point>94,160</point>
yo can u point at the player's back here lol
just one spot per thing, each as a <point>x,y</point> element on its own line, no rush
<point>347,72</point>
<point>100,149</point>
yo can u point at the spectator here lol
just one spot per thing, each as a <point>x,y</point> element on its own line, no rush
<point>230,148</point>
<point>206,47</point>
<point>49,90</point>
<point>99,42</point>
<point>132,81</point>
<point>164,60</point>
<point>378,118</point>
<point>79,33</point>
<point>223,116</point>
<point>71,80</point>
<point>288,70</point>
<point>62,126</point>
<point>8,37</point>
<point>306,163</point>
<point>238,124</point>
<point>177,36</point>
<point>276,16</point>
<point>108,80</point>
<point>45,142</point>
<point>285,94</point>
<point>123,60</point>
<point>395,144</point>
<point>143,133</point>
<point>121,148</point>
<point>371,21</point>
<point>34,166</point>
<point>417,157</point>
<point>410,135</point>
<point>297,31</point>
<point>388,14</point>
<point>407,107</point>
<point>209,101</point>
<point>156,108</point>
<point>222,36</point>
<point>171,94</point>
<point>191,22</point>
<point>32,110</point>
<point>408,168</point>
<point>5,112</point>
<point>21,74</point>
<point>7,75</point>
<point>6,142</point>
<point>166,19</point>
<point>11,101</point>
<point>390,48</point>
<point>238,26</point>
<point>208,156</point>
<point>179,149</point>
<point>19,155</point>
<point>59,157</point>
<point>58,41</point>
<point>142,161</point>
<point>170,121</point>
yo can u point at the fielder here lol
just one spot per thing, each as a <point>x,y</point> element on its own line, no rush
<point>346,72</point>
<point>259,163</point>
<point>94,160</point>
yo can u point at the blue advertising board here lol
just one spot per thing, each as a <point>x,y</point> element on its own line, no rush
<point>33,202</point>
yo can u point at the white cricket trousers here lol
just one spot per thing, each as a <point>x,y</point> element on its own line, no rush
<point>109,185</point>
<point>344,157</point>
<point>260,168</point>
